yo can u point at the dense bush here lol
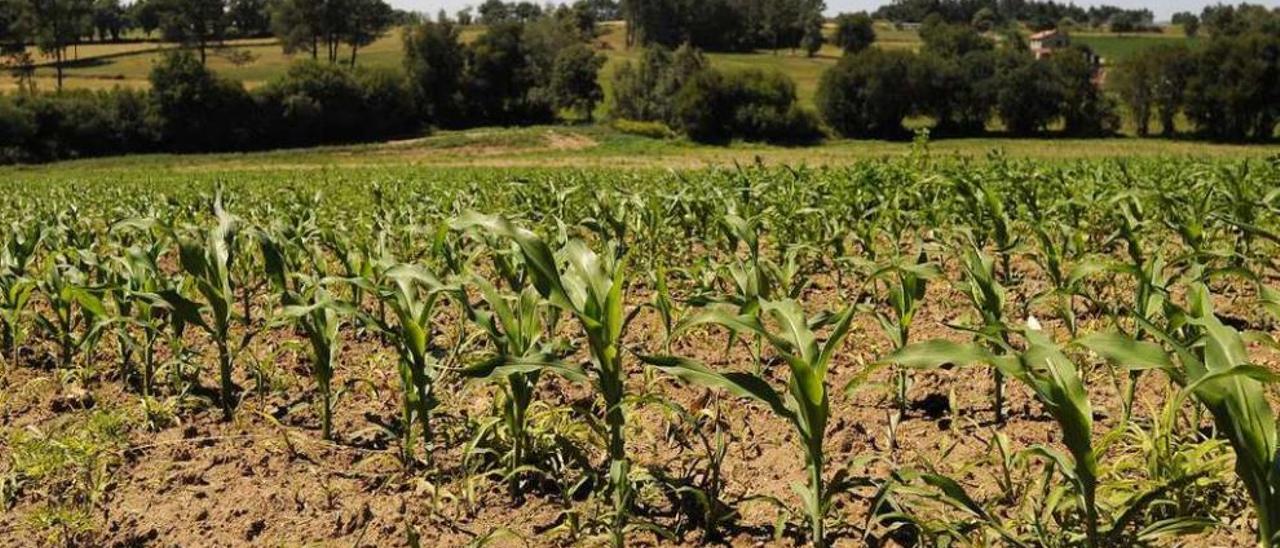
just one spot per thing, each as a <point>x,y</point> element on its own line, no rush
<point>74,124</point>
<point>1028,96</point>
<point>319,102</point>
<point>753,105</point>
<point>854,32</point>
<point>867,94</point>
<point>191,109</point>
<point>680,90</point>
<point>1235,93</point>
<point>506,76</point>
<point>645,89</point>
<point>17,126</point>
<point>199,110</point>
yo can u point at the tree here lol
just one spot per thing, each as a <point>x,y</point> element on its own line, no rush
<point>109,19</point>
<point>985,19</point>
<point>644,90</point>
<point>958,93</point>
<point>812,40</point>
<point>501,86</point>
<point>194,23</point>
<point>250,18</point>
<point>368,20</point>
<point>434,62</point>
<point>1029,94</point>
<point>493,12</point>
<point>575,83</point>
<point>299,24</point>
<point>952,40</point>
<point>1235,91</point>
<point>1174,65</point>
<point>197,109</point>
<point>56,24</point>
<point>1190,23</point>
<point>867,94</point>
<point>1134,81</point>
<point>16,28</point>
<point>1085,109</point>
<point>146,13</point>
<point>854,32</point>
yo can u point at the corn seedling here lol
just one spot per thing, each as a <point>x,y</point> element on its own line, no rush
<point>805,405</point>
<point>590,288</point>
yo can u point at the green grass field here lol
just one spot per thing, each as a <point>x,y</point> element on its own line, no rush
<point>1117,47</point>
<point>598,146</point>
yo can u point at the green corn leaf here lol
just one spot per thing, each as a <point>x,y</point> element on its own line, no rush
<point>1125,351</point>
<point>737,383</point>
<point>936,353</point>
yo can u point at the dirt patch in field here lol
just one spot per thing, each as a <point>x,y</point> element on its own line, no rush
<point>569,141</point>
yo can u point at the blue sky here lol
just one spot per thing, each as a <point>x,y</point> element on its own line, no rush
<point>1162,8</point>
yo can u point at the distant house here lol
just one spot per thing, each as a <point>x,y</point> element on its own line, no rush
<point>1044,43</point>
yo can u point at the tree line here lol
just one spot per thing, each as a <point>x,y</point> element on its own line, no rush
<point>513,73</point>
<point>1035,14</point>
<point>725,25</point>
<point>331,27</point>
<point>961,81</point>
<point>1228,88</point>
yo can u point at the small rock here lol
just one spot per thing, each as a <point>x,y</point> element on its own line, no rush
<point>255,529</point>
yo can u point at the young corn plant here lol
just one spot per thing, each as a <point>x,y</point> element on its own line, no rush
<point>136,280</point>
<point>515,327</point>
<point>1056,382</point>
<point>986,211</point>
<point>1059,245</point>
<point>906,284</point>
<point>147,298</point>
<point>16,286</point>
<point>78,312</point>
<point>590,288</point>
<point>320,315</point>
<point>987,296</point>
<point>310,305</point>
<point>805,404</point>
<point>1214,367</point>
<point>207,262</point>
<point>412,294</point>
<point>1151,278</point>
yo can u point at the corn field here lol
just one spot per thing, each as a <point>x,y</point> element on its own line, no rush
<point>907,352</point>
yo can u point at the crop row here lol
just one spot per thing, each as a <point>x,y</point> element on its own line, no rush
<point>513,278</point>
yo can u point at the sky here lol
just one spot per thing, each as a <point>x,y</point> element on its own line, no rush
<point>1163,9</point>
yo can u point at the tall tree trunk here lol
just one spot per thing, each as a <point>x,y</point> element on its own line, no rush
<point>58,56</point>
<point>353,55</point>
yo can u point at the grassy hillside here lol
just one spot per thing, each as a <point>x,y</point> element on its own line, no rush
<point>103,66</point>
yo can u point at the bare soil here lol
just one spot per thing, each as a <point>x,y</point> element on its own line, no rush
<point>267,477</point>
